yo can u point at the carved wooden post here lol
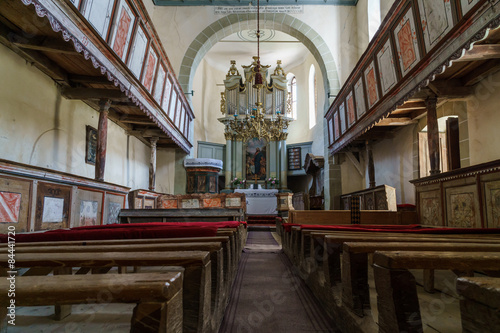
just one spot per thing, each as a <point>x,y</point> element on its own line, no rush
<point>152,164</point>
<point>371,165</point>
<point>433,134</point>
<point>102,139</point>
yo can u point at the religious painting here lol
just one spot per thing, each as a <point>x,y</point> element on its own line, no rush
<point>405,36</point>
<point>437,20</point>
<point>10,207</point>
<point>387,70</point>
<point>467,5</point>
<point>98,13</point>
<point>336,124</point>
<point>149,71</point>
<point>201,184</point>
<point>138,52</point>
<point>166,95</point>
<point>160,83</point>
<point>342,117</point>
<point>351,115</point>
<point>90,145</point>
<point>371,82</point>
<point>122,29</point>
<point>359,92</point>
<point>256,159</point>
<point>88,213</point>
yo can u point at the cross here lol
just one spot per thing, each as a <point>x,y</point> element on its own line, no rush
<point>255,177</point>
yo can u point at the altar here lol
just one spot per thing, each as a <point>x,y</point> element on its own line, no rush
<point>260,202</point>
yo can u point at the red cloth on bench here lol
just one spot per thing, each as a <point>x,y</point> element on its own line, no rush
<point>118,233</point>
<point>224,224</point>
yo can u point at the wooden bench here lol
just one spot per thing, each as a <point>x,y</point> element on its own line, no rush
<point>328,217</point>
<point>220,283</point>
<point>480,307</point>
<point>397,300</point>
<point>180,215</point>
<point>196,284</point>
<point>355,290</point>
<point>158,296</point>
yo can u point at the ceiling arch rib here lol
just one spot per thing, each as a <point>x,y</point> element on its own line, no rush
<point>233,23</point>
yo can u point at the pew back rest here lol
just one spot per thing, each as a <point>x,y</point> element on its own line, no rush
<point>333,217</point>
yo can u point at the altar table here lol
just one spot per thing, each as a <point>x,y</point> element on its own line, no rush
<point>260,202</point>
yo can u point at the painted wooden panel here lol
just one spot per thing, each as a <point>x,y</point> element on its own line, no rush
<point>87,208</point>
<point>150,69</point>
<point>405,35</point>
<point>330,130</point>
<point>387,70</point>
<point>342,118</point>
<point>76,3</point>
<point>371,83</point>
<point>138,52</point>
<point>492,198</point>
<point>10,207</point>
<point>183,119</point>
<point>430,207</point>
<point>360,98</point>
<point>113,203</point>
<point>53,206</point>
<point>178,113</point>
<point>166,95</point>
<point>122,30</point>
<point>437,20</point>
<point>160,84</point>
<point>171,108</point>
<point>186,129</point>
<point>462,207</point>
<point>98,13</point>
<point>467,5</point>
<point>336,124</point>
<point>351,114</point>
<point>212,202</point>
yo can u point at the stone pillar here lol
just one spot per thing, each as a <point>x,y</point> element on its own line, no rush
<point>228,174</point>
<point>152,164</point>
<point>237,159</point>
<point>371,165</point>
<point>433,134</point>
<point>102,139</point>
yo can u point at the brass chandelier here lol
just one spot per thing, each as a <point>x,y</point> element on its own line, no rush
<point>257,123</point>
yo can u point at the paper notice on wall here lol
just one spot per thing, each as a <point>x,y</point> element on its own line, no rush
<point>226,10</point>
<point>53,210</point>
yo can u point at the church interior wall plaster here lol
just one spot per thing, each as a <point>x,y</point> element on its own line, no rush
<point>40,128</point>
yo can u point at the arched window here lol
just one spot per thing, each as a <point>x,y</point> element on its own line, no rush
<point>292,91</point>
<point>374,17</point>
<point>312,97</point>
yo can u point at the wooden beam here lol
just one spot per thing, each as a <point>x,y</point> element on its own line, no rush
<point>481,73</point>
<point>90,80</point>
<point>411,106</point>
<point>46,45</point>
<point>149,133</point>
<point>136,120</point>
<point>450,88</point>
<point>39,60</point>
<point>481,52</point>
<point>93,93</point>
<point>400,121</point>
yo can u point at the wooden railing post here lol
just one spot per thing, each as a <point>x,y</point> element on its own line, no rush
<point>152,164</point>
<point>433,135</point>
<point>102,138</point>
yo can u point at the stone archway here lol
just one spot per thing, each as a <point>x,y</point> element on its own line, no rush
<point>281,22</point>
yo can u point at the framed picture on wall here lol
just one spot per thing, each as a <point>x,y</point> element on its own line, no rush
<point>294,158</point>
<point>90,145</point>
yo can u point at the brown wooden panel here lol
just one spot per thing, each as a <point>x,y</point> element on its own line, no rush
<point>15,203</point>
<point>53,207</point>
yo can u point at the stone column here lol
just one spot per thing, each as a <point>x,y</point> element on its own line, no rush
<point>433,135</point>
<point>152,164</point>
<point>371,165</point>
<point>102,139</point>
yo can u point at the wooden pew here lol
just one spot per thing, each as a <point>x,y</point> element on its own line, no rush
<point>480,307</point>
<point>355,290</point>
<point>329,217</point>
<point>158,296</point>
<point>196,284</point>
<point>397,300</point>
<point>220,284</point>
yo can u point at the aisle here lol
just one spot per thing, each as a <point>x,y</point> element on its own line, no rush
<point>268,297</point>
